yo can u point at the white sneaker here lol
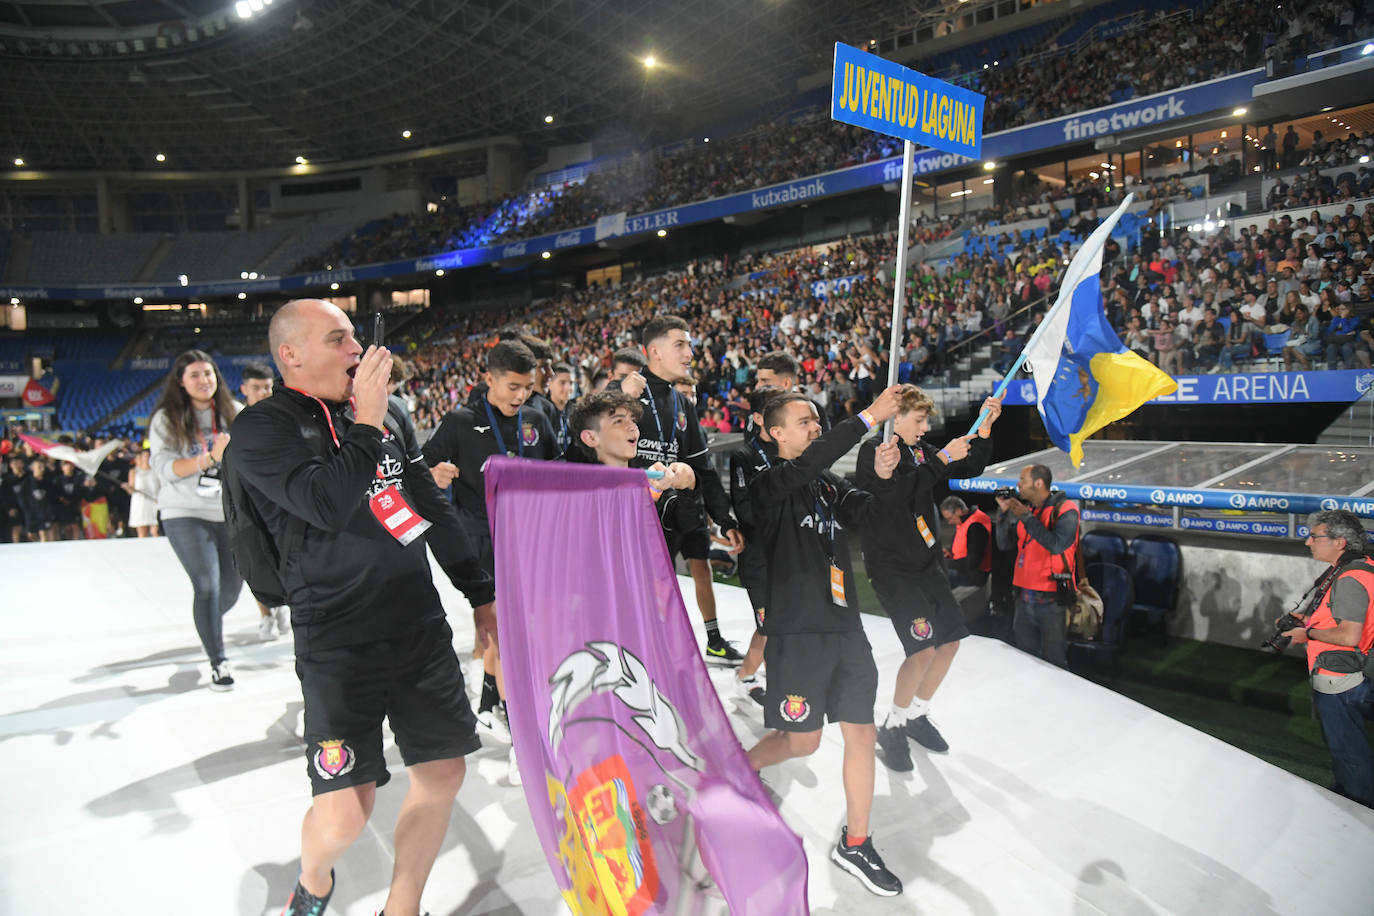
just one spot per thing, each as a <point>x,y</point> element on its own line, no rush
<point>283,617</point>
<point>491,724</point>
<point>513,774</point>
<point>266,632</point>
<point>220,678</point>
<point>751,688</point>
<point>475,673</point>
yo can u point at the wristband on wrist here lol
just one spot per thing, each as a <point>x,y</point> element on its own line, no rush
<point>867,418</point>
<point>1308,631</point>
<point>945,455</point>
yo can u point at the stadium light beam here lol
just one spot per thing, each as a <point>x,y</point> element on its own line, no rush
<point>161,157</point>
<point>663,233</point>
<point>138,300</point>
<point>989,166</point>
<point>546,254</point>
<point>405,135</point>
<point>548,119</point>
<point>439,272</point>
<point>650,62</point>
<point>1240,112</point>
<point>333,286</point>
<point>1367,49</point>
<point>243,9</point>
<point>18,162</point>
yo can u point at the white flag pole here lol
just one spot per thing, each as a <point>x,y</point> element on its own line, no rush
<point>899,281</point>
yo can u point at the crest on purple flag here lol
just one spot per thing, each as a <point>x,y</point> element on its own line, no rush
<point>640,793</point>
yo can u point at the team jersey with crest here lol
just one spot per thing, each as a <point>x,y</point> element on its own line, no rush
<point>668,432</point>
<point>468,437</point>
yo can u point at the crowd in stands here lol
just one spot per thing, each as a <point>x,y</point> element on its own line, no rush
<point>1297,292</point>
<point>1163,52</point>
<point>829,306</point>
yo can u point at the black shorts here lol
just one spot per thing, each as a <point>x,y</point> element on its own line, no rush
<point>479,533</point>
<point>813,677</point>
<point>693,545</point>
<point>922,609</point>
<point>756,586</point>
<point>415,683</point>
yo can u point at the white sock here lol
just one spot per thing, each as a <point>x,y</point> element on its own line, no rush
<point>918,708</point>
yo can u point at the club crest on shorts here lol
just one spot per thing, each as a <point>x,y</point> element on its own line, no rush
<point>528,434</point>
<point>795,708</point>
<point>921,628</point>
<point>334,759</point>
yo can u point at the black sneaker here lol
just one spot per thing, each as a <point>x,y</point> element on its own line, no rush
<point>895,752</point>
<point>924,733</point>
<point>864,863</point>
<point>304,903</point>
<point>720,652</point>
<point>220,678</point>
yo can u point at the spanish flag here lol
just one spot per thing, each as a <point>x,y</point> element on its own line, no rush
<point>1085,377</point>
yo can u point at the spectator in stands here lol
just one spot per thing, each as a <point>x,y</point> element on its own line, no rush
<point>1340,338</point>
<point>1208,340</point>
<point>1240,343</point>
<point>1168,355</point>
<point>1042,527</point>
<point>189,432</point>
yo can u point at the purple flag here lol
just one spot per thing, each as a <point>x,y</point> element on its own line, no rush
<point>640,793</point>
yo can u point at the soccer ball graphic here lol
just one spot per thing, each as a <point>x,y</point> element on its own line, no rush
<point>662,807</point>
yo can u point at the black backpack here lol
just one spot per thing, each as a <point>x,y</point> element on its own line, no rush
<point>255,550</point>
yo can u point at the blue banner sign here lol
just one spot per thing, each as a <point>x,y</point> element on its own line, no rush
<point>1117,517</point>
<point>1235,526</point>
<point>1242,500</point>
<point>1190,102</point>
<point>877,94</point>
<point>1331,385</point>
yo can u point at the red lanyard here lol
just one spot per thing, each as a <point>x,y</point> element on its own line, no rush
<point>327,417</point>
<point>330,420</point>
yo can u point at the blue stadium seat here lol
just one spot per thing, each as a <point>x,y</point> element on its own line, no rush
<point>1101,546</point>
<point>1156,565</point>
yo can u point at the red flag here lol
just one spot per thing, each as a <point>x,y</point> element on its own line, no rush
<point>35,395</point>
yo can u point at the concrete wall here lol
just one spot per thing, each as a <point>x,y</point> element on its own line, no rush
<point>1234,588</point>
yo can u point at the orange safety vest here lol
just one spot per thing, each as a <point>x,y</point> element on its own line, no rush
<point>1322,654</point>
<point>1035,564</point>
<point>960,548</point>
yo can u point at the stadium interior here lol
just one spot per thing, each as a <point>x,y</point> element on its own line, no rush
<point>173,172</point>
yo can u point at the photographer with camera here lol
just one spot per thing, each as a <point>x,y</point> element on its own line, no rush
<point>1338,635</point>
<point>1043,527</point>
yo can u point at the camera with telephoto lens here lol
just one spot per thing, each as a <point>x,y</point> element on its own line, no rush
<point>1006,493</point>
<point>1278,642</point>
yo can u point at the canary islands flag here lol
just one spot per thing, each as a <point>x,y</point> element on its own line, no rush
<point>1085,378</point>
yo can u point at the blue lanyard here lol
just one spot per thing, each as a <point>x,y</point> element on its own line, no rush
<point>562,430</point>
<point>496,430</point>
<point>763,455</point>
<point>827,521</point>
<point>653,406</point>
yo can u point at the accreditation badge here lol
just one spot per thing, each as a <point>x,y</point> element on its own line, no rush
<point>926,534</point>
<point>396,516</point>
<point>837,586</point>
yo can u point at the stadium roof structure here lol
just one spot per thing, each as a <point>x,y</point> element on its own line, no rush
<point>216,85</point>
